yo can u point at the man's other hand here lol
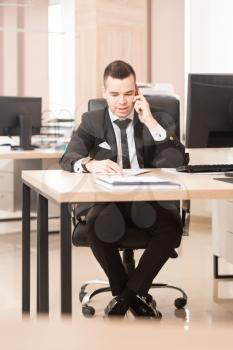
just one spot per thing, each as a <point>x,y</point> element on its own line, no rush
<point>103,167</point>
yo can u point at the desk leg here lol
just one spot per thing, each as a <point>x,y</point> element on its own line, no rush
<point>42,256</point>
<point>26,208</point>
<point>66,266</point>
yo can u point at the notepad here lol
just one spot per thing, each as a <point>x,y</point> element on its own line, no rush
<point>126,181</point>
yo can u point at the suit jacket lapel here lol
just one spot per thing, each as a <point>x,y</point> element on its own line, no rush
<point>138,137</point>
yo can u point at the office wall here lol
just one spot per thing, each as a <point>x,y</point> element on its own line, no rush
<point>107,30</point>
<point>24,50</point>
<point>8,51</point>
<point>168,45</point>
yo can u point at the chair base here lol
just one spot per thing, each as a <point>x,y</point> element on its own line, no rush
<point>89,311</point>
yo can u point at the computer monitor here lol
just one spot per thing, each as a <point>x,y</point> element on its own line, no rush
<point>209,111</point>
<point>20,116</point>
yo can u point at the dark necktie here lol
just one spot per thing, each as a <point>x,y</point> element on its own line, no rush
<point>122,124</point>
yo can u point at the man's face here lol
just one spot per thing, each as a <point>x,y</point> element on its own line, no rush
<point>119,94</point>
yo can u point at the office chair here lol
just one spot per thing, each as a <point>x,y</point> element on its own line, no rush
<point>134,238</point>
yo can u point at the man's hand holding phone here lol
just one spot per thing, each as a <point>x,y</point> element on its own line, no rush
<point>143,109</point>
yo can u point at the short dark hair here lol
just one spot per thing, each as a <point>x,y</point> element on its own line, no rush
<point>119,70</point>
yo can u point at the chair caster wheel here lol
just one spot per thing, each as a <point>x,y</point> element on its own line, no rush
<point>81,296</point>
<point>180,303</point>
<point>88,311</point>
<point>180,313</point>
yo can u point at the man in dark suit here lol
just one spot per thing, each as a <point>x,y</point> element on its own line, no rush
<point>127,134</point>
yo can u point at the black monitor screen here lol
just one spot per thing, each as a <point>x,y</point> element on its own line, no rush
<point>20,116</point>
<point>209,111</point>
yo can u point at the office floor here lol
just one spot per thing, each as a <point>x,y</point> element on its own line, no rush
<point>210,303</point>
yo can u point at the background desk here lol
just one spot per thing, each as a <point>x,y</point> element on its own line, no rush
<point>34,154</point>
<point>11,165</point>
<point>65,188</point>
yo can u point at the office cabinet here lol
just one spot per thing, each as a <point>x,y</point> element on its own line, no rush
<point>10,182</point>
<point>222,229</point>
<point>6,185</point>
<point>11,165</point>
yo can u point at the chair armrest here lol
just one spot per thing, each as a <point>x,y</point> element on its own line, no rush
<point>185,216</point>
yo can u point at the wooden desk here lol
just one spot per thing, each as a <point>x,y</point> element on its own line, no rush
<point>34,154</point>
<point>99,333</point>
<point>65,188</point>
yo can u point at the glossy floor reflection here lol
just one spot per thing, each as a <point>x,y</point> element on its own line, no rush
<point>210,303</point>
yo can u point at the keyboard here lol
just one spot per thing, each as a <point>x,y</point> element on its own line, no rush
<point>205,168</point>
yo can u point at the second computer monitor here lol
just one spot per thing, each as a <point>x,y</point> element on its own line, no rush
<point>209,111</point>
<point>20,116</point>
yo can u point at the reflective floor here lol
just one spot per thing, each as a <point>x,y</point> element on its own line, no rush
<point>210,303</point>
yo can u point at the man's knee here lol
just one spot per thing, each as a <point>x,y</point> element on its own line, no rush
<point>143,214</point>
<point>170,225</point>
<point>108,222</point>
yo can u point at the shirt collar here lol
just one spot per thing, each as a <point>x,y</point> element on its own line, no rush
<point>114,117</point>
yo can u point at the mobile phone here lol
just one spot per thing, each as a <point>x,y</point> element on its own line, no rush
<point>137,93</point>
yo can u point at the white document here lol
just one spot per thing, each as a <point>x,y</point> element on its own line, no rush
<point>131,172</point>
<point>142,181</point>
<point>135,171</point>
<point>5,148</point>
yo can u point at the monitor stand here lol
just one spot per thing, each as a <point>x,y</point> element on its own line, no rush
<point>25,127</point>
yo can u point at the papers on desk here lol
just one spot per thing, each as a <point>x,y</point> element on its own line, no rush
<point>132,172</point>
<point>129,182</point>
<point>5,148</point>
<point>135,171</point>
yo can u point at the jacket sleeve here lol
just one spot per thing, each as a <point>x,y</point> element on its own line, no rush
<point>170,152</point>
<point>79,145</point>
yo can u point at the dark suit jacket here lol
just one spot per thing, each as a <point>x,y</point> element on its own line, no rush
<point>96,128</point>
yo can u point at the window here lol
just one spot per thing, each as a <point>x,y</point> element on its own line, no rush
<point>61,58</point>
<point>209,35</point>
